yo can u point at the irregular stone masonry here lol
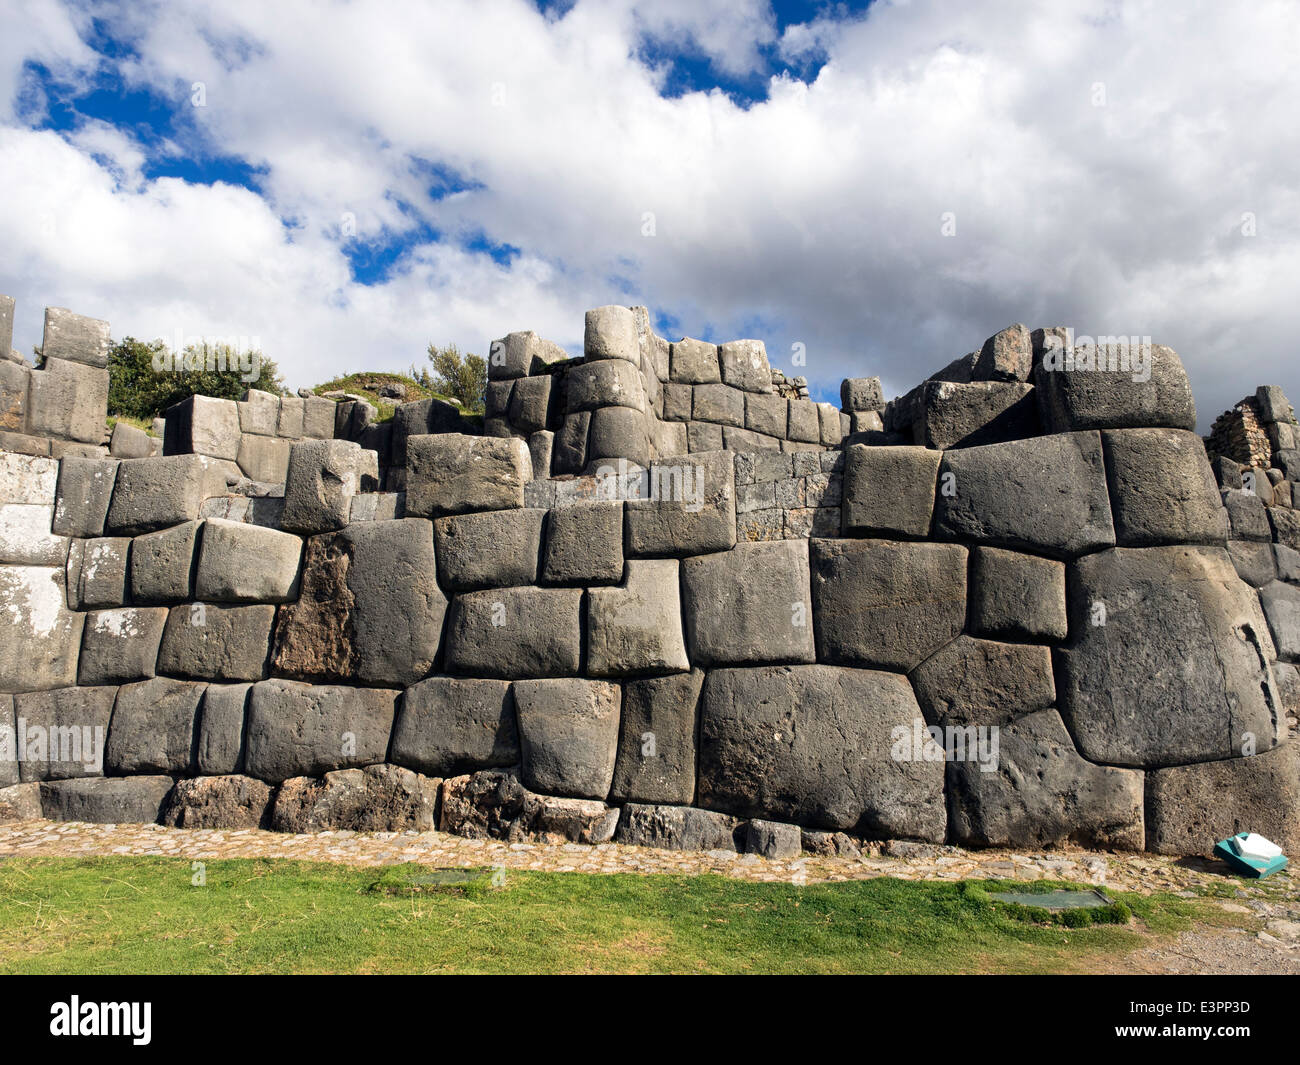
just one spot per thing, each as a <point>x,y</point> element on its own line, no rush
<point>934,621</point>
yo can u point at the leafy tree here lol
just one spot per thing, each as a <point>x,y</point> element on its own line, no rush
<point>461,376</point>
<point>144,379</point>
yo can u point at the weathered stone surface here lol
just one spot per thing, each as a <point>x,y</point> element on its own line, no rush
<point>1047,494</point>
<point>1017,596</point>
<point>515,633</point>
<point>153,728</point>
<point>1190,808</point>
<point>1080,398</point>
<point>968,415</point>
<point>605,383</point>
<point>8,738</point>
<point>264,458</point>
<point>491,549</point>
<point>772,839</point>
<point>40,638</point>
<point>97,572</point>
<point>85,488</point>
<point>1168,660</point>
<point>637,627</point>
<point>452,725</point>
<point>720,404</point>
<point>656,747</point>
<point>1288,562</point>
<point>289,424</point>
<point>25,537</point>
<point>812,745</point>
<point>888,491</point>
<point>618,433</point>
<point>318,418</point>
<point>27,479</point>
<point>1253,562</point>
<point>1247,516</point>
<point>530,404</point>
<point>68,400</point>
<point>156,493</point>
<point>106,800</point>
<point>64,731</point>
<point>541,449</point>
<point>570,454</point>
<point>315,638</point>
<point>1286,526</point>
<point>323,477</point>
<point>74,337</point>
<point>162,564</point>
<point>701,436</point>
<point>983,682</point>
<point>1005,356</point>
<point>584,544</point>
<point>611,333</point>
<point>519,354</point>
<point>677,828</point>
<point>306,730</point>
<point>1162,489</point>
<point>1038,792</point>
<point>744,365</point>
<point>695,362</point>
<point>803,422</point>
<point>119,646</point>
<point>241,563</point>
<point>228,801</point>
<point>129,442</point>
<point>221,729</point>
<point>1281,602</point>
<point>201,425</point>
<point>21,802</point>
<point>749,605</point>
<point>1273,404</point>
<point>884,603</point>
<point>678,399</point>
<point>15,382</point>
<point>861,393</point>
<point>568,731</point>
<point>421,418</point>
<point>454,474</point>
<point>766,414</point>
<point>691,507</point>
<point>209,641</point>
<point>495,805</point>
<point>378,798</point>
<point>259,412</point>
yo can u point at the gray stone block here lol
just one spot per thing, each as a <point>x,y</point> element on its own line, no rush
<point>519,354</point>
<point>771,839</point>
<point>984,682</point>
<point>861,393</point>
<point>636,628</point>
<point>153,728</point>
<point>156,493</point>
<point>63,732</point>
<point>1253,562</point>
<point>744,365</point>
<point>541,449</point>
<point>749,605</point>
<point>832,431</point>
<point>530,404</point>
<point>68,400</point>
<point>889,491</point>
<point>1247,516</point>
<point>6,326</point>
<point>25,537</point>
<point>318,418</point>
<point>120,646</point>
<point>128,442</point>
<point>241,563</point>
<point>306,730</point>
<point>515,633</point>
<point>703,436</point>
<point>570,454</point>
<point>106,800</point>
<point>718,403</point>
<point>491,549</point>
<point>1168,661</point>
<point>15,384</point>
<point>1047,495</point>
<point>323,477</point>
<point>74,337</point>
<point>162,564</point>
<point>97,572</point>
<point>264,458</point>
<point>1281,604</point>
<point>678,400</point>
<point>21,802</point>
<point>691,507</point>
<point>1005,356</point>
<point>201,425</point>
<point>1273,404</point>
<point>677,828</point>
<point>803,422</point>
<point>968,415</point>
<point>259,413</point>
<point>8,741</point>
<point>41,638</point>
<point>1015,596</point>
<point>227,802</point>
<point>568,731</point>
<point>584,544</point>
<point>609,382</point>
<point>289,423</point>
<point>611,333</point>
<point>28,479</point>
<point>452,725</point>
<point>618,433</point>
<point>884,603</point>
<point>656,747</point>
<point>209,641</point>
<point>1162,490</point>
<point>454,474</point>
<point>766,414</point>
<point>1288,563</point>
<point>816,746</point>
<point>1038,792</point>
<point>695,362</point>
<point>1081,398</point>
<point>221,729</point>
<point>1286,526</point>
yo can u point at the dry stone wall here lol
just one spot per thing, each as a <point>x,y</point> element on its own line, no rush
<point>936,622</point>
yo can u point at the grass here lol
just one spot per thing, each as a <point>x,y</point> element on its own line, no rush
<point>140,423</point>
<point>143,915</point>
<point>368,385</point>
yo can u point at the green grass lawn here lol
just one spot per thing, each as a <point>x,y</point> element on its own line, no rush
<point>143,915</point>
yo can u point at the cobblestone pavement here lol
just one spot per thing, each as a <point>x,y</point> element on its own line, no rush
<point>1270,910</point>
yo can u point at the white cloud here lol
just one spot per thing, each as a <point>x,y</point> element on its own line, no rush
<point>814,215</point>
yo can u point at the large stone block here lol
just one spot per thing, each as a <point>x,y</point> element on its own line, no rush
<point>259,413</point>
<point>584,544</point>
<point>41,637</point>
<point>240,563</point>
<point>1016,596</point>
<point>1168,661</point>
<point>886,604</point>
<point>766,414</point>
<point>744,365</point>
<point>489,549</point>
<point>618,433</point>
<point>1038,792</point>
<point>968,415</point>
<point>720,404</point>
<point>74,337</point>
<point>455,474</point>
<point>702,436</point>
<point>1190,808</point>
<point>1253,562</point>
<point>128,442</point>
<point>1047,495</point>
<point>318,418</point>
<point>888,491</point>
<point>1286,526</point>
<point>611,333</point>
<point>264,458</point>
<point>15,383</point>
<point>8,740</point>
<point>637,627</point>
<point>28,479</point>
<point>515,633</point>
<point>106,800</point>
<point>221,729</point>
<point>530,404</point>
<point>68,400</point>
<point>495,805</point>
<point>1162,490</point>
<point>570,452</point>
<point>323,477</point>
<point>606,383</point>
<point>421,418</point>
<point>656,746</point>
<point>62,733</point>
<point>228,801</point>
<point>690,507</point>
<point>452,725</point>
<point>677,828</point>
<point>1005,356</point>
<point>1247,516</point>
<point>120,646</point>
<point>162,564</point>
<point>695,362</point>
<point>156,493</point>
<point>816,745</point>
<point>25,537</point>
<point>201,425</point>
<point>378,798</point>
<point>306,730</point>
<point>749,605</point>
<point>97,572</point>
<point>568,732</point>
<point>861,393</point>
<point>209,641</point>
<point>520,354</point>
<point>803,422</point>
<point>984,682</point>
<point>1085,397</point>
<point>1281,602</point>
<point>153,728</point>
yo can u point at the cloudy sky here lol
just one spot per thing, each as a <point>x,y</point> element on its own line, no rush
<point>879,186</point>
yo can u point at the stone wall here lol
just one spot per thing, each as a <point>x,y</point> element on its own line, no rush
<point>711,648</point>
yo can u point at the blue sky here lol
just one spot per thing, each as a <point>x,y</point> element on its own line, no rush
<point>346,187</point>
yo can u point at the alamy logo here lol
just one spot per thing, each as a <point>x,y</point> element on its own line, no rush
<point>103,1018</point>
<point>952,743</point>
<point>677,484</point>
<point>58,743</point>
<point>1115,354</point>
